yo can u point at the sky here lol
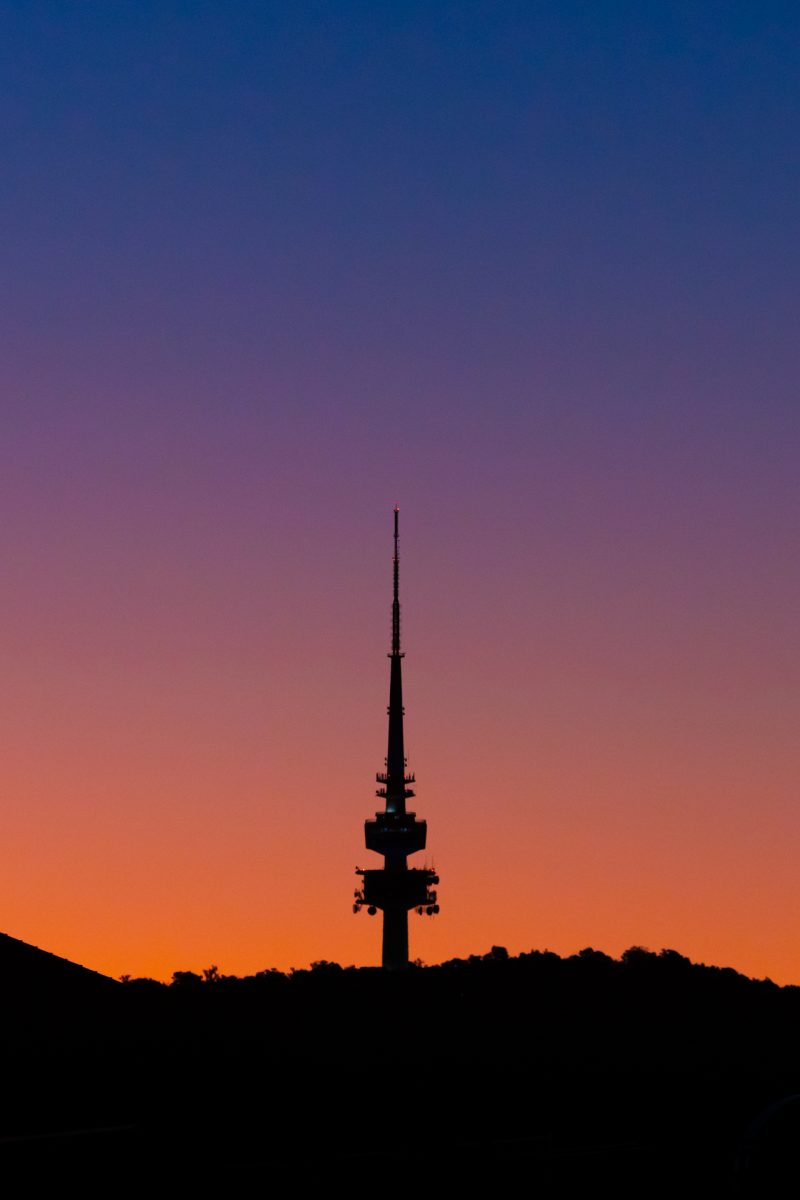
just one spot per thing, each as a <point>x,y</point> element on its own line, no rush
<point>528,271</point>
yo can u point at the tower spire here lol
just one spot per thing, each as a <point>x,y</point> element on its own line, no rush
<point>395,833</point>
<point>396,599</point>
<point>395,780</point>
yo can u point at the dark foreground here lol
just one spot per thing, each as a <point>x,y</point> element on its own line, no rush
<point>652,1076</point>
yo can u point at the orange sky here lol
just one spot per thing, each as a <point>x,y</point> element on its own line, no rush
<point>186,792</point>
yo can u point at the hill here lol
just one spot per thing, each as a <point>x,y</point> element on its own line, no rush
<point>649,1072</point>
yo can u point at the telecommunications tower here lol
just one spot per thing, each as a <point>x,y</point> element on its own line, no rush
<point>395,888</point>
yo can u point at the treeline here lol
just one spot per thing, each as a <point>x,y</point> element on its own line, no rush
<point>644,1008</point>
<point>636,959</point>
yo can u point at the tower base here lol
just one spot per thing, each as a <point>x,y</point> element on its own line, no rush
<point>395,939</point>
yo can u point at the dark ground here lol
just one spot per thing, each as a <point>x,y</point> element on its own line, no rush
<point>651,1075</point>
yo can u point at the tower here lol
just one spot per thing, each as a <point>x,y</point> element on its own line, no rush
<point>395,888</point>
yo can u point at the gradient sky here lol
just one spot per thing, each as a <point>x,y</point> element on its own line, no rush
<point>527,270</point>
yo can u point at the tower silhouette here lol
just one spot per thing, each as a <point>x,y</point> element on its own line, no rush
<point>395,888</point>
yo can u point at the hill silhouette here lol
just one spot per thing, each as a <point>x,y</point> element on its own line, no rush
<point>648,1074</point>
<point>26,970</point>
